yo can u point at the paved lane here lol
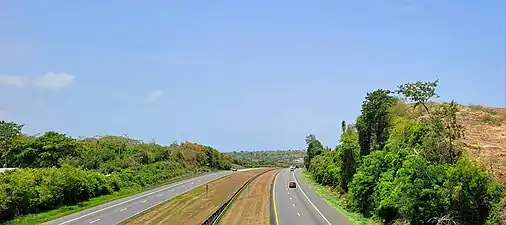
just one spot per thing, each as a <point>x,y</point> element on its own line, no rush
<point>117,211</point>
<point>301,205</point>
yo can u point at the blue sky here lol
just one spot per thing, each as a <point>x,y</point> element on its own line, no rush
<point>237,74</point>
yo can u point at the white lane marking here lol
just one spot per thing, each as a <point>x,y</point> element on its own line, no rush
<point>310,202</point>
<point>183,185</point>
<point>121,203</point>
<point>144,201</point>
<point>94,221</point>
<point>288,192</point>
<point>293,205</point>
<point>160,195</point>
<point>298,214</point>
<point>290,198</point>
<point>123,209</point>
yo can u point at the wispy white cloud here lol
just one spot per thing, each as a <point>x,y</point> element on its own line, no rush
<point>47,81</point>
<point>154,95</point>
<point>54,80</point>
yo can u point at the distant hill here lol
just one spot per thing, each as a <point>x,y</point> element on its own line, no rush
<point>282,158</point>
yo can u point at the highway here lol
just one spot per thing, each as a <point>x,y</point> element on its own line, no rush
<point>302,205</point>
<point>120,210</point>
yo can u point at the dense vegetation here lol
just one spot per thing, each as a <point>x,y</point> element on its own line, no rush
<point>281,158</point>
<point>56,170</point>
<point>401,162</point>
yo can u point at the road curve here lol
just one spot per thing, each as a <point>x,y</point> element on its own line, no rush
<point>120,210</point>
<point>302,205</point>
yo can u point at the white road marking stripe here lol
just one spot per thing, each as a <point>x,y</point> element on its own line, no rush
<point>310,202</point>
<point>290,198</point>
<point>293,205</point>
<point>160,195</point>
<point>94,221</point>
<point>144,201</point>
<point>298,214</point>
<point>123,209</point>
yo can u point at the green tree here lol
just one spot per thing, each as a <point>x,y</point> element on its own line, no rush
<point>418,92</point>
<point>8,130</point>
<point>442,130</point>
<point>374,121</point>
<point>314,148</point>
<point>349,156</point>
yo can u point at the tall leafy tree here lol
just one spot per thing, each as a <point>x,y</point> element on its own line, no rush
<point>8,130</point>
<point>374,121</point>
<point>314,148</point>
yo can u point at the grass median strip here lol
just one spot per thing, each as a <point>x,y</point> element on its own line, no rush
<point>335,200</point>
<point>252,206</point>
<point>194,206</point>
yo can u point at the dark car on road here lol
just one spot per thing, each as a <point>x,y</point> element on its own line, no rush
<point>292,184</point>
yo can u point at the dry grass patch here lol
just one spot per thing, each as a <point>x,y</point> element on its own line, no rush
<point>194,207</point>
<point>252,208</point>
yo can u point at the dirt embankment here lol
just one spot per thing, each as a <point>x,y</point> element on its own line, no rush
<point>485,137</point>
<point>252,207</point>
<point>195,206</point>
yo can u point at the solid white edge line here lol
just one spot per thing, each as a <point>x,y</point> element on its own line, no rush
<point>133,199</point>
<point>310,202</point>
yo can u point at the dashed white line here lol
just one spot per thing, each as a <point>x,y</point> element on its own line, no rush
<point>123,209</point>
<point>310,202</point>
<point>144,201</point>
<point>290,198</point>
<point>293,205</point>
<point>94,221</point>
<point>160,195</point>
<point>288,192</point>
<point>298,214</point>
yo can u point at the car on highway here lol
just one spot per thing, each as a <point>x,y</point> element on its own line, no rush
<point>234,169</point>
<point>292,168</point>
<point>292,184</point>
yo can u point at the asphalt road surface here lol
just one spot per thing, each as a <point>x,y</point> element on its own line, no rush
<point>120,210</point>
<point>302,205</point>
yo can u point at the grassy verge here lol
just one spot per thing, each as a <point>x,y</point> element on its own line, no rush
<point>335,200</point>
<point>69,209</point>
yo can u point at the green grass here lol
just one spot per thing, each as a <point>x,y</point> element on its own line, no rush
<point>42,217</point>
<point>335,200</point>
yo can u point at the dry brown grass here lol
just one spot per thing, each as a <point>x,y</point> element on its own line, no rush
<point>252,208</point>
<point>194,207</point>
<point>485,137</point>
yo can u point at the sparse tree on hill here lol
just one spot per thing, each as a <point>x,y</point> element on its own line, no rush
<point>419,92</point>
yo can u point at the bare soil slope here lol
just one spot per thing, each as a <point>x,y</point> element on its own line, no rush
<point>485,137</point>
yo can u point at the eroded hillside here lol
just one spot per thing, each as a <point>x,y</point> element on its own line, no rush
<point>485,137</point>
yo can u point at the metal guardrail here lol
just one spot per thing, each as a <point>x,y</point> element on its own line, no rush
<point>216,216</point>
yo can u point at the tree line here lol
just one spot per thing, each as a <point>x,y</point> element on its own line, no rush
<point>55,169</point>
<point>261,158</point>
<point>400,161</point>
